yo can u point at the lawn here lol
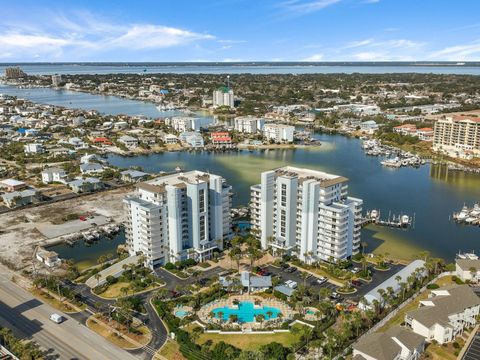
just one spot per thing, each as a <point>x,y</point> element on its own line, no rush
<point>120,341</point>
<point>114,290</point>
<point>170,351</point>
<point>250,341</point>
<point>57,304</point>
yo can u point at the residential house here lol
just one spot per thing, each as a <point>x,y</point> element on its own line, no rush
<point>397,343</point>
<point>369,126</point>
<point>467,267</point>
<point>12,184</point>
<point>91,168</point>
<point>170,139</point>
<point>128,141</point>
<point>193,139</point>
<point>54,175</point>
<point>445,313</point>
<point>133,176</point>
<point>90,184</point>
<point>19,198</point>
<point>34,148</point>
<point>221,139</point>
<point>49,258</point>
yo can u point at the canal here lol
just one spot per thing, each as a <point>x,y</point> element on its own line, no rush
<point>431,193</point>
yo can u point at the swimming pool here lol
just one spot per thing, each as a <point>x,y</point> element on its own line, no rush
<point>181,313</point>
<point>246,312</point>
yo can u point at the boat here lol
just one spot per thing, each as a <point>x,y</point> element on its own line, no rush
<point>405,220</point>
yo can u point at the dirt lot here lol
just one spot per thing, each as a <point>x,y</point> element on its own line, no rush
<point>18,229</point>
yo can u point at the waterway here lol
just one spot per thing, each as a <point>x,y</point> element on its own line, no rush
<point>430,192</point>
<point>297,68</point>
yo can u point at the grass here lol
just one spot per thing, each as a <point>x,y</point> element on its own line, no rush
<point>400,316</point>
<point>57,304</point>
<point>114,290</point>
<point>120,341</point>
<point>250,341</point>
<point>170,351</point>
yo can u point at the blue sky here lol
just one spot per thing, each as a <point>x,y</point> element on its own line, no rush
<point>240,30</point>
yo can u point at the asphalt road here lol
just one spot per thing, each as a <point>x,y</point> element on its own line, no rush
<point>29,319</point>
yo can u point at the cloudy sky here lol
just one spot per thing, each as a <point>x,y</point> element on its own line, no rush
<point>239,30</point>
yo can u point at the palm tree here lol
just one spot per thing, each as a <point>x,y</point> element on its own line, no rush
<point>97,277</point>
<point>364,245</point>
<point>220,315</point>
<point>269,314</point>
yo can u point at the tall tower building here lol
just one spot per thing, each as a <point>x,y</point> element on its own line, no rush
<point>307,213</point>
<point>223,97</point>
<point>180,216</point>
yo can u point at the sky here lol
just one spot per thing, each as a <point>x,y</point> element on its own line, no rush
<point>239,30</point>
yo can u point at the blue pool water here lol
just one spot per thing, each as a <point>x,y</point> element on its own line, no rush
<point>181,313</point>
<point>310,312</point>
<point>246,312</point>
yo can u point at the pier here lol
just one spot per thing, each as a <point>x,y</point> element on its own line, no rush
<point>393,221</point>
<point>468,216</point>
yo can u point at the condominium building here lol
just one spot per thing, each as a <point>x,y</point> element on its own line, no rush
<point>457,136</point>
<point>249,124</point>
<point>278,132</point>
<point>307,213</point>
<point>186,123</point>
<point>56,80</point>
<point>179,216</point>
<point>223,97</point>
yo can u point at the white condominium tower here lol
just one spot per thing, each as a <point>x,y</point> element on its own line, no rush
<point>223,97</point>
<point>307,213</point>
<point>179,216</point>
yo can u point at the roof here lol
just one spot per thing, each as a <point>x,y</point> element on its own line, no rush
<point>12,182</point>
<point>392,282</point>
<point>382,346</point>
<point>134,173</point>
<point>425,129</point>
<point>127,138</point>
<point>466,264</point>
<point>285,290</point>
<point>255,281</point>
<point>442,306</point>
<point>22,194</point>
<point>90,166</point>
<point>465,117</point>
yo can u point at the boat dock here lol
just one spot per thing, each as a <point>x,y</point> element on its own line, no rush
<point>401,221</point>
<point>395,158</point>
<point>468,216</point>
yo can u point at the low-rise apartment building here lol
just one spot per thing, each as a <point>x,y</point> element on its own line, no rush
<point>445,313</point>
<point>307,213</point>
<point>279,132</point>
<point>249,124</point>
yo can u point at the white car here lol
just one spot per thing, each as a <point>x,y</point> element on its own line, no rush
<point>291,284</point>
<point>321,280</point>
<point>57,318</point>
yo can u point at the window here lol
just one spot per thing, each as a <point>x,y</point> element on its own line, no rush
<point>284,195</point>
<point>202,200</point>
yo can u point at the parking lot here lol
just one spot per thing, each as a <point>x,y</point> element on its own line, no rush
<point>473,351</point>
<point>377,278</point>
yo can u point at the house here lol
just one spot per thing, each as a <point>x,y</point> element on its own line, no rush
<point>368,126</point>
<point>285,290</point>
<point>133,176</point>
<point>77,143</point>
<point>467,267</point>
<point>397,343</point>
<point>128,141</point>
<point>255,283</point>
<point>80,185</point>
<point>103,141</point>
<point>12,185</point>
<point>193,139</point>
<point>88,158</point>
<point>170,139</point>
<point>221,139</point>
<point>59,151</point>
<point>91,168</point>
<point>406,129</point>
<point>49,258</point>
<point>19,198</point>
<point>445,313</point>
<point>54,175</point>
<point>415,267</point>
<point>34,148</point>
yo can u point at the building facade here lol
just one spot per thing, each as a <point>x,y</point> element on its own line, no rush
<point>307,213</point>
<point>278,132</point>
<point>457,136</point>
<point>179,216</point>
<point>223,97</point>
<point>249,124</point>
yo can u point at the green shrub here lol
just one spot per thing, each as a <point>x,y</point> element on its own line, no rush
<point>432,286</point>
<point>170,266</point>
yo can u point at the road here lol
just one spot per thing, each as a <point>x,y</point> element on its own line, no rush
<point>29,319</point>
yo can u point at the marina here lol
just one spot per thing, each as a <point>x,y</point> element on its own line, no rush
<point>401,221</point>
<point>395,158</point>
<point>468,215</point>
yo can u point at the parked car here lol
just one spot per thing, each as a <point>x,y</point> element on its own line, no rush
<point>356,283</point>
<point>291,284</point>
<point>284,266</point>
<point>56,318</point>
<point>335,296</point>
<point>321,280</point>
<point>291,269</point>
<point>355,270</point>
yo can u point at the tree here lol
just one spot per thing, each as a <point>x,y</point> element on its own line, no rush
<point>274,350</point>
<point>97,277</point>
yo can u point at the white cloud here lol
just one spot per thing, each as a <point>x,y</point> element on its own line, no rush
<point>458,52</point>
<point>359,43</point>
<point>314,57</point>
<point>305,7</point>
<point>87,33</point>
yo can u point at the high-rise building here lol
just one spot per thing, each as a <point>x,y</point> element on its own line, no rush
<point>56,80</point>
<point>179,216</point>
<point>279,132</point>
<point>14,72</point>
<point>457,136</point>
<point>223,97</point>
<point>249,124</point>
<point>307,213</point>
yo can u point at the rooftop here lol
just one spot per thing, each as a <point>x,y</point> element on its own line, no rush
<point>324,178</point>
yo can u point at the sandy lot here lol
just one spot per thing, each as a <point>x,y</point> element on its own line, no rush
<point>19,234</point>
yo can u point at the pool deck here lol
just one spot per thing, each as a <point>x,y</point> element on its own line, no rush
<point>286,310</point>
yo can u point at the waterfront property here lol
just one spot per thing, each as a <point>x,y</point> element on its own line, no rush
<point>307,213</point>
<point>278,132</point>
<point>184,215</point>
<point>458,136</point>
<point>467,267</point>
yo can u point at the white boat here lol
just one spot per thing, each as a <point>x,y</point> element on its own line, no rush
<point>405,220</point>
<point>374,214</point>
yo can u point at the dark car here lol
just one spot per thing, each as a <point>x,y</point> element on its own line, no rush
<point>285,266</point>
<point>356,283</point>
